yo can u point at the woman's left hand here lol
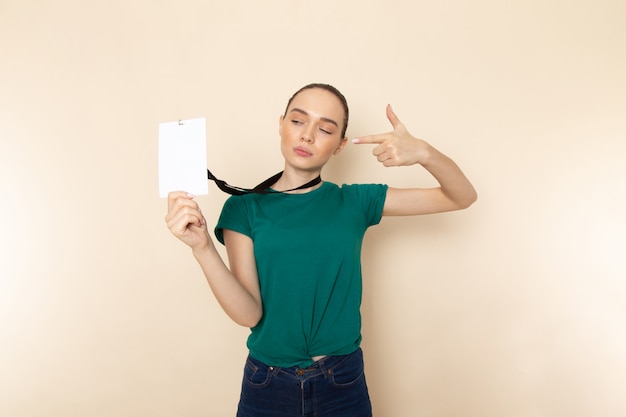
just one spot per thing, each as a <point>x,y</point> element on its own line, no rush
<point>398,147</point>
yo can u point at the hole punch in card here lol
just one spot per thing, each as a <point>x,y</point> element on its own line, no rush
<point>182,157</point>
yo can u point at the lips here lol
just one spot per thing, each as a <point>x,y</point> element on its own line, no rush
<point>302,151</point>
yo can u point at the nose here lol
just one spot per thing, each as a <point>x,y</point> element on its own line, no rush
<point>307,134</point>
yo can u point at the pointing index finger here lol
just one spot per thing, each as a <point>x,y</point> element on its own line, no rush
<point>376,139</point>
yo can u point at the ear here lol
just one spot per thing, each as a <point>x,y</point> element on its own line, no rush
<point>280,125</point>
<point>342,144</point>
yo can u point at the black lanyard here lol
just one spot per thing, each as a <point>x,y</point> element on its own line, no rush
<point>262,188</point>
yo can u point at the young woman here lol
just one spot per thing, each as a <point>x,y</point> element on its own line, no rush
<point>294,274</point>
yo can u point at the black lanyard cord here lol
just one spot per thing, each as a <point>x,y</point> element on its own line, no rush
<point>262,188</point>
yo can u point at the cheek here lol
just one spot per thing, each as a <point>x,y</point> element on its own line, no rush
<point>286,132</point>
<point>285,142</point>
<point>331,147</point>
<point>286,135</point>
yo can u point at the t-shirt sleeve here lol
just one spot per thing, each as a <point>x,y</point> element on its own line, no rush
<point>234,216</point>
<point>371,198</point>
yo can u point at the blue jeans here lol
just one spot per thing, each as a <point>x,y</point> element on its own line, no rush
<point>332,387</point>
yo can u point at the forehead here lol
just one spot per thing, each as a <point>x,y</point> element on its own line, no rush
<point>319,101</point>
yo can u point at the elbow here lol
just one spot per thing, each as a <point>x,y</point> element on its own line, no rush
<point>249,320</point>
<point>471,200</point>
<point>247,323</point>
<point>467,201</point>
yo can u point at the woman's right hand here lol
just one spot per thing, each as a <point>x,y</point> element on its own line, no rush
<point>185,220</point>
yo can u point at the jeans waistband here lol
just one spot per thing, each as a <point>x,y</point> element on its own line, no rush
<point>324,366</point>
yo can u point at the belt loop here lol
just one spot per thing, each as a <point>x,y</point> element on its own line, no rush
<point>324,368</point>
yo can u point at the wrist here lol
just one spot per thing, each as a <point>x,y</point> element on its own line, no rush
<point>425,154</point>
<point>203,250</point>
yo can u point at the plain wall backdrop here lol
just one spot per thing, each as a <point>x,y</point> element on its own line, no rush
<point>515,307</point>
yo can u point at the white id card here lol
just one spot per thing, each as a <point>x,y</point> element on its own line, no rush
<point>182,157</point>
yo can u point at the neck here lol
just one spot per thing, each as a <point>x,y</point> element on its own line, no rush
<point>293,179</point>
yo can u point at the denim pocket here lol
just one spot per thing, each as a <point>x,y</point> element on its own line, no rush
<point>347,372</point>
<point>256,374</point>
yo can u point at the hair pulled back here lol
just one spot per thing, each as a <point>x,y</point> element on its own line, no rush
<point>332,90</point>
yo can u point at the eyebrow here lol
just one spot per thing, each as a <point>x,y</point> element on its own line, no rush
<point>326,119</point>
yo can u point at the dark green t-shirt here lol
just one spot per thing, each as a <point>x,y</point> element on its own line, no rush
<point>308,254</point>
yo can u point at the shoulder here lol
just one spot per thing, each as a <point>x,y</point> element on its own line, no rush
<point>235,215</point>
<point>344,187</point>
<point>365,191</point>
<point>367,199</point>
<point>239,201</point>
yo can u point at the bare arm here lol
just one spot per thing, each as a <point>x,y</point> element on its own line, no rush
<point>237,291</point>
<point>400,148</point>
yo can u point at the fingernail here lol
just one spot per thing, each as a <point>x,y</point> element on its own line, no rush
<point>191,195</point>
<point>356,140</point>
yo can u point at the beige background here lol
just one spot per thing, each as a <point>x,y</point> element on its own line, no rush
<point>515,307</point>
